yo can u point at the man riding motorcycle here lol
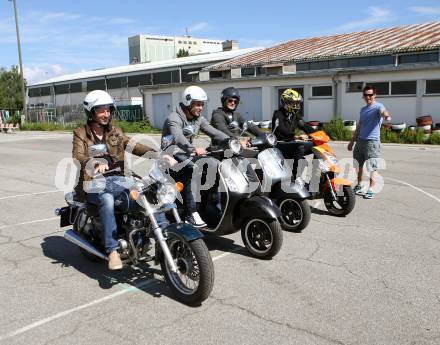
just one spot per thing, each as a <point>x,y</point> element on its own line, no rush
<point>99,107</point>
<point>289,118</point>
<point>187,113</point>
<point>227,119</point>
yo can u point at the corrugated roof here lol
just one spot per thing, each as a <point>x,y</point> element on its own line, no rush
<point>407,38</point>
<point>183,61</point>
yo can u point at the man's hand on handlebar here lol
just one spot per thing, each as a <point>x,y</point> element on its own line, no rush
<point>245,142</point>
<point>100,168</point>
<point>200,151</point>
<point>169,159</point>
<point>303,137</point>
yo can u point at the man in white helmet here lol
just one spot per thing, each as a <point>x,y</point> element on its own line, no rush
<point>99,107</point>
<point>189,113</point>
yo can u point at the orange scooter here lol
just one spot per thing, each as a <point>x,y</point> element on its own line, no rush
<point>339,197</point>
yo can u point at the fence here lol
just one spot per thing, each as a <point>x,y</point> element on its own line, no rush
<point>75,113</point>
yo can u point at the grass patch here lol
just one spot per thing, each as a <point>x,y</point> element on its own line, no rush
<point>127,127</point>
<point>337,131</point>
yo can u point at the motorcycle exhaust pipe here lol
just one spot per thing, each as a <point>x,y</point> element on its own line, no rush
<point>73,237</point>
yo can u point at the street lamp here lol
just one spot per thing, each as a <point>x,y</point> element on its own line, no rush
<point>23,86</point>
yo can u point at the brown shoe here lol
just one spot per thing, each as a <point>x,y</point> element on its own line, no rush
<point>114,261</point>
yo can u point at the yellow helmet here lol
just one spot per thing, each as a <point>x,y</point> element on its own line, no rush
<point>291,100</point>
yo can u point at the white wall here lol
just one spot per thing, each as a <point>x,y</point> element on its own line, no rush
<point>320,109</point>
<point>431,106</point>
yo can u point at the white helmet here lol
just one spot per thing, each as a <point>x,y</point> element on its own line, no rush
<point>193,93</point>
<point>97,98</point>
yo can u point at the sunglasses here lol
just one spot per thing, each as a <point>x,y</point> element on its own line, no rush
<point>232,100</point>
<point>369,94</point>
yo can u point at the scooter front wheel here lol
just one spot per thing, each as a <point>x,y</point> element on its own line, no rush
<point>344,204</point>
<point>295,214</point>
<point>263,238</point>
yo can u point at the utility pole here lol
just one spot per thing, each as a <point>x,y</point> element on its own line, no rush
<point>23,87</point>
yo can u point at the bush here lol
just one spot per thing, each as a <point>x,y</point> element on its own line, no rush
<point>433,139</point>
<point>336,130</point>
<point>136,127</point>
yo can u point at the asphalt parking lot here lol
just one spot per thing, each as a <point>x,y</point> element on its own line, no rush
<point>369,278</point>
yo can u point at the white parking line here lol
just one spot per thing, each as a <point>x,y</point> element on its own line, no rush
<point>30,222</point>
<point>29,194</point>
<point>414,187</point>
<point>92,303</point>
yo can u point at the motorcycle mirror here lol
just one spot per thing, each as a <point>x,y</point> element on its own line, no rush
<point>97,150</point>
<point>234,124</point>
<point>245,128</point>
<point>167,141</point>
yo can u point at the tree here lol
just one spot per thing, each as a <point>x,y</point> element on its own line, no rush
<point>10,89</point>
<point>182,53</point>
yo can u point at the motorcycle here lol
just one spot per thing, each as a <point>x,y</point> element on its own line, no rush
<point>178,247</point>
<point>290,196</point>
<point>339,197</point>
<point>243,206</point>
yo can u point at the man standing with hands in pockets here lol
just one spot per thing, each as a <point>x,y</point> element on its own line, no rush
<point>367,138</point>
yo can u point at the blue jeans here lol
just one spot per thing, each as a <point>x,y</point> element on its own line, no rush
<point>105,200</point>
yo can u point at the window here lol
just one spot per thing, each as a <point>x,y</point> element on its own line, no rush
<point>186,77</point>
<point>341,63</point>
<point>433,86</point>
<point>75,87</point>
<point>161,78</point>
<point>215,74</point>
<point>403,87</point>
<point>421,57</point>
<point>45,91</point>
<point>302,67</point>
<point>318,65</point>
<point>34,92</point>
<point>354,86</point>
<point>248,72</point>
<point>116,83</point>
<point>381,60</point>
<point>96,85</point>
<point>140,79</point>
<point>382,88</point>
<point>321,91</point>
<point>358,62</point>
<point>61,89</point>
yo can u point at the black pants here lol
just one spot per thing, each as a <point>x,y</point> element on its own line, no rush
<point>295,150</point>
<point>185,175</point>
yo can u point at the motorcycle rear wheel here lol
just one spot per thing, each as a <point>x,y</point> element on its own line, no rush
<point>263,238</point>
<point>295,214</point>
<point>344,204</point>
<point>194,280</point>
<point>76,227</point>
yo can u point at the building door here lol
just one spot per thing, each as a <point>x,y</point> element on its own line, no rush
<point>250,104</point>
<point>161,108</point>
<point>298,89</point>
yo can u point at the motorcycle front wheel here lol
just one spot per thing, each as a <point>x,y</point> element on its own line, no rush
<point>194,279</point>
<point>343,205</point>
<point>263,238</point>
<point>295,214</point>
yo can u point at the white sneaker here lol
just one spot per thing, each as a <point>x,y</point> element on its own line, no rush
<point>195,220</point>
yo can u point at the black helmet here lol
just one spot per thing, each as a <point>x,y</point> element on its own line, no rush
<point>230,92</point>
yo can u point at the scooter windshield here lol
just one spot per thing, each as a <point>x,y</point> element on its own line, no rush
<point>273,165</point>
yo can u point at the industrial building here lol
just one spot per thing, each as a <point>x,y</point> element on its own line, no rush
<point>148,48</point>
<point>403,63</point>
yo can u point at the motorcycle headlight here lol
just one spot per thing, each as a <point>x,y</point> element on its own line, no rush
<point>235,146</point>
<point>166,193</point>
<point>271,139</point>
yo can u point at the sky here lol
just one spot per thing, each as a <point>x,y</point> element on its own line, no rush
<point>61,37</point>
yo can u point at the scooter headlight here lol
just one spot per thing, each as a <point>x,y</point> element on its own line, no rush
<point>271,139</point>
<point>235,146</point>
